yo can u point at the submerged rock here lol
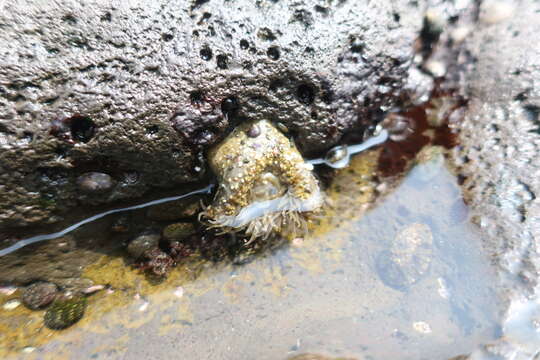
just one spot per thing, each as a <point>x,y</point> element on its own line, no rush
<point>408,259</point>
<point>39,295</point>
<point>157,262</point>
<point>142,243</point>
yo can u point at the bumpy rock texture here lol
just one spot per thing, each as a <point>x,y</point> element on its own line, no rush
<point>94,87</point>
<point>500,135</point>
<point>500,145</point>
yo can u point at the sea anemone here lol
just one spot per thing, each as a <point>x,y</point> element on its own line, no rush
<point>265,186</point>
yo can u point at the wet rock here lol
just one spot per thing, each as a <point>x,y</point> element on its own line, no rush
<point>95,182</point>
<point>60,261</point>
<point>498,159</point>
<point>39,295</point>
<point>408,259</point>
<point>143,242</point>
<point>178,231</point>
<point>65,311</point>
<point>199,125</point>
<point>127,90</point>
<point>175,210</point>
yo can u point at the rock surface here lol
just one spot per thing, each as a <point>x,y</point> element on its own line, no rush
<point>499,158</point>
<point>95,87</point>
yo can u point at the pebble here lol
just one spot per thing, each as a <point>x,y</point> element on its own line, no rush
<point>435,67</point>
<point>434,22</point>
<point>11,305</point>
<point>459,34</point>
<point>298,242</point>
<point>179,292</point>
<point>144,306</point>
<point>143,242</point>
<point>422,327</point>
<point>495,11</point>
<point>399,127</point>
<point>254,131</point>
<point>95,182</point>
<point>93,289</point>
<point>39,295</point>
<point>337,157</point>
<point>7,290</point>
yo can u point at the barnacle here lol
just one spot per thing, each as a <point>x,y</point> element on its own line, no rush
<point>265,186</point>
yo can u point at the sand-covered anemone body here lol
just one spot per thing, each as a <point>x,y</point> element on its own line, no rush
<point>265,186</point>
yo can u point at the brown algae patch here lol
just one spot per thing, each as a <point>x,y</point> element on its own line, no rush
<point>265,186</point>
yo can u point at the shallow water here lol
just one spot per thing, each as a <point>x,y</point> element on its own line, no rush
<point>405,280</point>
